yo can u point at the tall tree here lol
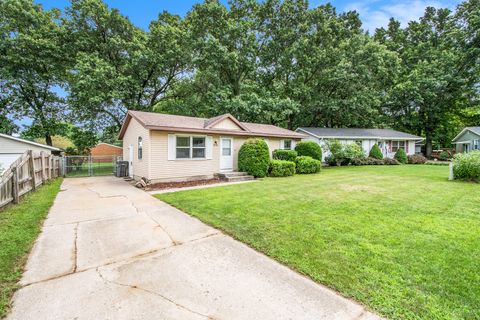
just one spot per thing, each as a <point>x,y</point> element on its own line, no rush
<point>32,63</point>
<point>438,79</point>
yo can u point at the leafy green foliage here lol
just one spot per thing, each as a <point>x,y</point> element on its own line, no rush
<point>254,158</point>
<point>83,140</point>
<point>394,161</point>
<point>416,159</point>
<point>466,166</point>
<point>281,168</point>
<point>375,152</point>
<point>288,155</point>
<point>444,156</point>
<point>401,156</point>
<point>306,164</point>
<point>343,154</point>
<point>310,149</point>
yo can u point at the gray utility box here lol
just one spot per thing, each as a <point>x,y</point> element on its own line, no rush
<point>121,169</point>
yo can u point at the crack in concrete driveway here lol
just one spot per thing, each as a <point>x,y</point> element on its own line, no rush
<point>111,251</point>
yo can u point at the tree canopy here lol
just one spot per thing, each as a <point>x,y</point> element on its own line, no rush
<point>275,61</point>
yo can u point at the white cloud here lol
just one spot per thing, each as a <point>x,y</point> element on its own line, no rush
<point>375,15</point>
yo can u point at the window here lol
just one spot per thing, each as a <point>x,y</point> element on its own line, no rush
<point>397,145</point>
<point>226,147</point>
<point>476,144</point>
<point>190,147</point>
<point>140,148</point>
<point>287,144</point>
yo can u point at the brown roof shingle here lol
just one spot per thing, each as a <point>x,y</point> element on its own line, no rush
<point>168,122</point>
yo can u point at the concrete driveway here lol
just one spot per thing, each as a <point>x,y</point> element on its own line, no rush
<point>111,251</point>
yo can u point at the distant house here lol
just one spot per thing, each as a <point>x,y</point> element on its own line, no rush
<point>388,140</point>
<point>163,147</point>
<point>11,148</point>
<point>106,150</point>
<point>467,140</point>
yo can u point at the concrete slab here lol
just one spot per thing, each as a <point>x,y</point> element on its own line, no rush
<point>111,251</point>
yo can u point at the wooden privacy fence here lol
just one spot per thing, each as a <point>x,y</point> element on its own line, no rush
<point>27,173</point>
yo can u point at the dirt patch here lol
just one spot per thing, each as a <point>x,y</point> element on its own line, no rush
<point>181,184</point>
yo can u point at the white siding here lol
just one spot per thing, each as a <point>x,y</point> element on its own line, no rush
<point>11,150</point>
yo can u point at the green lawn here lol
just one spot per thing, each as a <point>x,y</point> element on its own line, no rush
<point>19,227</point>
<point>402,240</point>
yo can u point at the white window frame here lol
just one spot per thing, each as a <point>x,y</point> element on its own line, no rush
<point>191,147</point>
<point>476,144</point>
<point>395,145</point>
<point>291,144</point>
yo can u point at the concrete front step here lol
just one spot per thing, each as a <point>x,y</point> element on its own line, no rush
<point>235,176</point>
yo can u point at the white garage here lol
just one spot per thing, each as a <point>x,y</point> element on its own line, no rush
<point>12,147</point>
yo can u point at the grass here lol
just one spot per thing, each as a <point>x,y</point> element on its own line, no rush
<point>402,240</point>
<point>19,227</point>
<point>97,169</point>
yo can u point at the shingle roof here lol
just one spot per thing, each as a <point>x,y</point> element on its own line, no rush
<point>358,133</point>
<point>168,122</point>
<point>474,129</point>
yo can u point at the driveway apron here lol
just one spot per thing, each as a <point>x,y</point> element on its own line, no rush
<point>111,251</point>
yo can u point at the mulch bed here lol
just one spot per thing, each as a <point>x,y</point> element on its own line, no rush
<point>181,184</point>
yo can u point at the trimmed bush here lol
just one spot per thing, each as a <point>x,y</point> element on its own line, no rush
<point>366,162</point>
<point>390,161</point>
<point>343,154</point>
<point>289,155</point>
<point>281,168</point>
<point>307,164</point>
<point>401,156</point>
<point>444,156</point>
<point>254,158</point>
<point>310,149</point>
<point>416,159</point>
<point>466,166</point>
<point>375,152</point>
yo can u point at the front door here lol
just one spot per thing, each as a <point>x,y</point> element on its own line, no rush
<point>226,154</point>
<point>130,161</point>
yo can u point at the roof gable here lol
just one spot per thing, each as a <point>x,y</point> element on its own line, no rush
<point>226,121</point>
<point>472,130</point>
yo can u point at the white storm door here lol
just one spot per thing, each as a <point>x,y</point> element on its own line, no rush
<point>226,154</point>
<point>130,161</point>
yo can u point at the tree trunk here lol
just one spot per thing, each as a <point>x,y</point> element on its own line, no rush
<point>48,139</point>
<point>428,145</point>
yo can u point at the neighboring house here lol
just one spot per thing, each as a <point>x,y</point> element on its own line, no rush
<point>12,147</point>
<point>162,147</point>
<point>388,140</point>
<point>105,150</point>
<point>467,140</point>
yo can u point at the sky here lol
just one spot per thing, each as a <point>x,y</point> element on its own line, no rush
<point>373,13</point>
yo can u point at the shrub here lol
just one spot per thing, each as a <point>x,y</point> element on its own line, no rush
<point>466,166</point>
<point>375,152</point>
<point>416,159</point>
<point>343,154</point>
<point>254,158</point>
<point>401,156</point>
<point>310,149</point>
<point>289,155</point>
<point>281,168</point>
<point>390,161</point>
<point>444,156</point>
<point>307,164</point>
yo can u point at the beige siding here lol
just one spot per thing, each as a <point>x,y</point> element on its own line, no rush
<point>227,124</point>
<point>135,130</point>
<point>18,147</point>
<point>162,169</point>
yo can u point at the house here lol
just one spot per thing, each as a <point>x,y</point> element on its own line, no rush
<point>388,140</point>
<point>103,149</point>
<point>467,140</point>
<point>11,148</point>
<point>163,147</point>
